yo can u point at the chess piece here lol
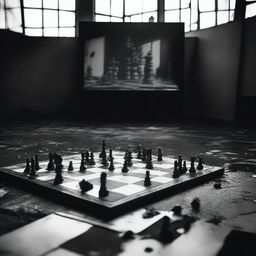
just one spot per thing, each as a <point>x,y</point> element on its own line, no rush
<point>85,185</point>
<point>176,173</point>
<point>200,166</point>
<point>139,154</point>
<point>129,158</point>
<point>149,164</point>
<point>87,157</point>
<point>165,234</point>
<point>192,168</point>
<point>57,160</point>
<point>177,210</point>
<point>37,167</point>
<point>58,178</point>
<point>82,165</point>
<point>184,168</point>
<point>147,181</point>
<point>27,168</point>
<point>111,166</point>
<point>148,69</point>
<point>180,165</point>
<point>110,156</point>
<point>70,166</point>
<point>91,160</point>
<point>32,173</point>
<point>104,161</point>
<point>50,166</point>
<point>195,204</point>
<point>125,167</point>
<point>159,154</point>
<point>103,192</point>
<point>103,150</point>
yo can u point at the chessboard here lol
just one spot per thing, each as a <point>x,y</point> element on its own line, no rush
<point>141,182</point>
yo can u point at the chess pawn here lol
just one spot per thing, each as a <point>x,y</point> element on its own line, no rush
<point>91,161</point>
<point>111,166</point>
<point>184,168</point>
<point>176,173</point>
<point>159,154</point>
<point>82,166</point>
<point>103,192</point>
<point>147,181</point>
<point>200,164</point>
<point>37,167</point>
<point>125,168</point>
<point>192,168</point>
<point>27,168</point>
<point>70,166</point>
<point>50,166</point>
<point>32,173</point>
<point>58,178</point>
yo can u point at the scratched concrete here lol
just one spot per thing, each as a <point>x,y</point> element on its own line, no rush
<point>233,146</point>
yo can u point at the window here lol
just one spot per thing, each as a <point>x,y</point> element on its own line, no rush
<point>10,15</point>
<point>49,17</point>
<point>196,14</point>
<point>250,9</point>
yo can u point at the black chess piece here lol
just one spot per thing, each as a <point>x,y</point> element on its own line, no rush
<point>103,192</point>
<point>129,158</point>
<point>70,166</point>
<point>58,178</point>
<point>104,161</point>
<point>91,160</point>
<point>192,168</point>
<point>196,204</point>
<point>110,156</point>
<point>180,165</point>
<point>87,157</point>
<point>184,168</point>
<point>200,166</point>
<point>165,233</point>
<point>85,185</point>
<point>111,166</point>
<point>159,154</point>
<point>82,167</point>
<point>149,164</point>
<point>37,166</point>
<point>147,181</point>
<point>176,172</point>
<point>139,154</point>
<point>103,150</point>
<point>125,167</point>
<point>32,173</point>
<point>57,161</point>
<point>144,155</point>
<point>50,166</point>
<point>27,168</point>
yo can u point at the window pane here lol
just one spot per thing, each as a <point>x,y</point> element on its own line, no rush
<point>136,18</point>
<point>2,18</point>
<point>102,6</point>
<point>207,19</point>
<point>33,18</point>
<point>33,32</point>
<point>250,10</point>
<point>16,29</point>
<point>67,18</point>
<point>232,4</point>
<point>206,5</point>
<point>172,16</point>
<point>53,4</point>
<point>117,8</point>
<point>68,32</point>
<point>127,19</point>
<point>222,17</point>
<point>51,32</point>
<point>133,6</point>
<point>172,4</point>
<point>185,3</point>
<point>114,19</point>
<point>185,17</point>
<point>67,5</point>
<point>32,3</point>
<point>149,5</point>
<point>12,3</point>
<point>194,16</point>
<point>13,17</point>
<point>231,15</point>
<point>223,4</point>
<point>194,26</point>
<point>146,16</point>
<point>102,18</point>
<point>50,18</point>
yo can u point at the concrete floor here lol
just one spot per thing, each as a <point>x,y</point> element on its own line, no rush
<point>234,146</point>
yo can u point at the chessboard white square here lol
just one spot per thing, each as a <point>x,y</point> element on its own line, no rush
<point>156,173</point>
<point>161,179</point>
<point>94,192</point>
<point>86,176</point>
<point>129,189</point>
<point>125,179</point>
<point>97,170</point>
<point>45,178</point>
<point>163,166</point>
<point>139,165</point>
<point>71,185</point>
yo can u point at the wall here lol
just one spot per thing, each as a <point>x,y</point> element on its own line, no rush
<point>37,74</point>
<point>215,77</point>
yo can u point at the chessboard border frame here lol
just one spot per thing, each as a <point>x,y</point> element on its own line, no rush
<point>66,196</point>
